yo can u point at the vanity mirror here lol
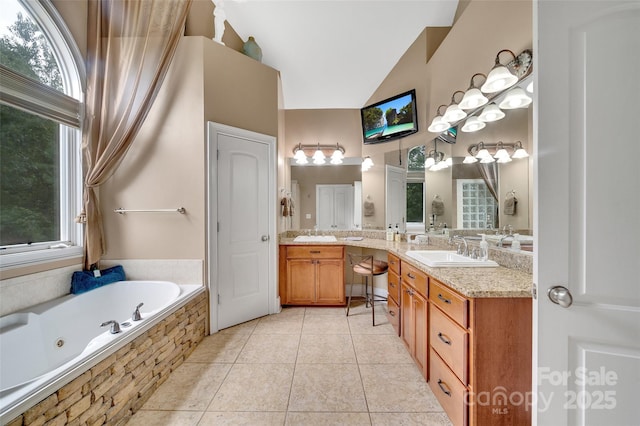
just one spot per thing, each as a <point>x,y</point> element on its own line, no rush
<point>485,189</point>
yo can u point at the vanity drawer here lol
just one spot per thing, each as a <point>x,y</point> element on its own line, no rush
<point>450,341</point>
<point>315,252</point>
<point>394,263</point>
<point>450,302</point>
<point>393,286</point>
<point>415,278</point>
<point>447,388</point>
<point>393,314</point>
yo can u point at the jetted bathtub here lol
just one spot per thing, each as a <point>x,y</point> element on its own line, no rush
<point>50,344</point>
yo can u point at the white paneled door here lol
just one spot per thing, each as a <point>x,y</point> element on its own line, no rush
<point>244,226</point>
<point>396,196</point>
<point>587,312</point>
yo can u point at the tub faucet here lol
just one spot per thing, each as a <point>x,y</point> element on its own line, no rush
<point>115,327</point>
<point>136,314</point>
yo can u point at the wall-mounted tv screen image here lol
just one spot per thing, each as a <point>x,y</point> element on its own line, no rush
<point>448,136</point>
<point>390,119</point>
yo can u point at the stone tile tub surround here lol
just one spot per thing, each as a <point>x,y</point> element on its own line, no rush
<point>117,386</point>
<point>519,261</point>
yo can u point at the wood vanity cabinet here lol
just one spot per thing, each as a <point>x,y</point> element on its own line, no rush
<point>480,357</point>
<point>393,287</point>
<point>312,275</point>
<point>414,319</point>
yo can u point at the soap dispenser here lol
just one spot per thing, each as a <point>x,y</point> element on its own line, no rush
<point>389,233</point>
<point>484,249</point>
<point>397,234</point>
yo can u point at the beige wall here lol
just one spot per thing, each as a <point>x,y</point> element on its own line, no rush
<point>167,164</point>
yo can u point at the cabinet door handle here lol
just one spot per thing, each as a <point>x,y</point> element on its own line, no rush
<point>444,339</point>
<point>392,313</point>
<point>392,284</point>
<point>411,276</point>
<point>444,299</point>
<point>314,251</point>
<point>442,388</point>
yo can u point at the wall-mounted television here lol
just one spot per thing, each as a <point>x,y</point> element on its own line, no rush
<point>390,119</point>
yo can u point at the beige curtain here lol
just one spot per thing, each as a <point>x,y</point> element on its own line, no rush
<point>130,45</point>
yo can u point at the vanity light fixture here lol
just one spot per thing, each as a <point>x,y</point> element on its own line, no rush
<point>436,159</point>
<point>367,163</point>
<point>480,151</point>
<point>516,98</point>
<point>301,153</point>
<point>473,97</point>
<point>491,113</point>
<point>438,124</point>
<point>454,112</point>
<point>500,77</point>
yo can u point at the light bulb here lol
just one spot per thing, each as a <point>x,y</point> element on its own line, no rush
<point>520,153</point>
<point>470,159</point>
<point>299,155</point>
<point>502,153</point>
<point>453,113</point>
<point>473,98</point>
<point>516,98</point>
<point>318,155</point>
<point>483,153</point>
<point>438,125</point>
<point>487,159</point>
<point>473,124</point>
<point>302,160</point>
<point>491,113</point>
<point>506,159</point>
<point>499,78</point>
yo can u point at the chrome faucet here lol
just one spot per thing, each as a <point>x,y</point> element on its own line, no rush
<point>504,237</point>
<point>465,252</point>
<point>136,314</point>
<point>115,327</point>
<point>507,228</point>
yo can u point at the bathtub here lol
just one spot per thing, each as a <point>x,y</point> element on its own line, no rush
<point>50,344</point>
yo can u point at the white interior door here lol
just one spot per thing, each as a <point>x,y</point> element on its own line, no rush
<point>396,196</point>
<point>587,212</point>
<point>244,227</point>
<point>334,207</point>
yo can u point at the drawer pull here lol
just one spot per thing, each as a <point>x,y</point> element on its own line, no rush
<point>411,276</point>
<point>442,388</point>
<point>444,339</point>
<point>391,284</point>
<point>444,299</point>
<point>392,313</point>
<point>314,251</point>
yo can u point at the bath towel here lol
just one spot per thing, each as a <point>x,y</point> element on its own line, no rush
<point>510,204</point>
<point>83,281</point>
<point>437,207</point>
<point>369,208</point>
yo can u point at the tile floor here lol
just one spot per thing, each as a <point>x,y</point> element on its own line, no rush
<point>304,366</point>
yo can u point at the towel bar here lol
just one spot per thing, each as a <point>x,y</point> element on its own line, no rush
<point>180,210</point>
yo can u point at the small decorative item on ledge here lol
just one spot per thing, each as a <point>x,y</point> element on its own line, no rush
<point>252,50</point>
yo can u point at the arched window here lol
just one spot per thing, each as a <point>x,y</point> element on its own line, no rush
<point>41,107</point>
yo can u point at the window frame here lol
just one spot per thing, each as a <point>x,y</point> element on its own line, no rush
<point>67,109</point>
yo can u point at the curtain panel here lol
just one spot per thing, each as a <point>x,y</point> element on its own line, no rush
<point>131,44</point>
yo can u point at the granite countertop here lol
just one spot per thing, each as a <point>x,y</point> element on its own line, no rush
<point>470,282</point>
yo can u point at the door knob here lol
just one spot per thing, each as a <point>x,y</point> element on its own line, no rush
<point>265,238</point>
<point>560,296</point>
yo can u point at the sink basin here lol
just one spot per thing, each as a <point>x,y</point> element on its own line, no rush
<point>524,239</point>
<point>448,259</point>
<point>315,239</point>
